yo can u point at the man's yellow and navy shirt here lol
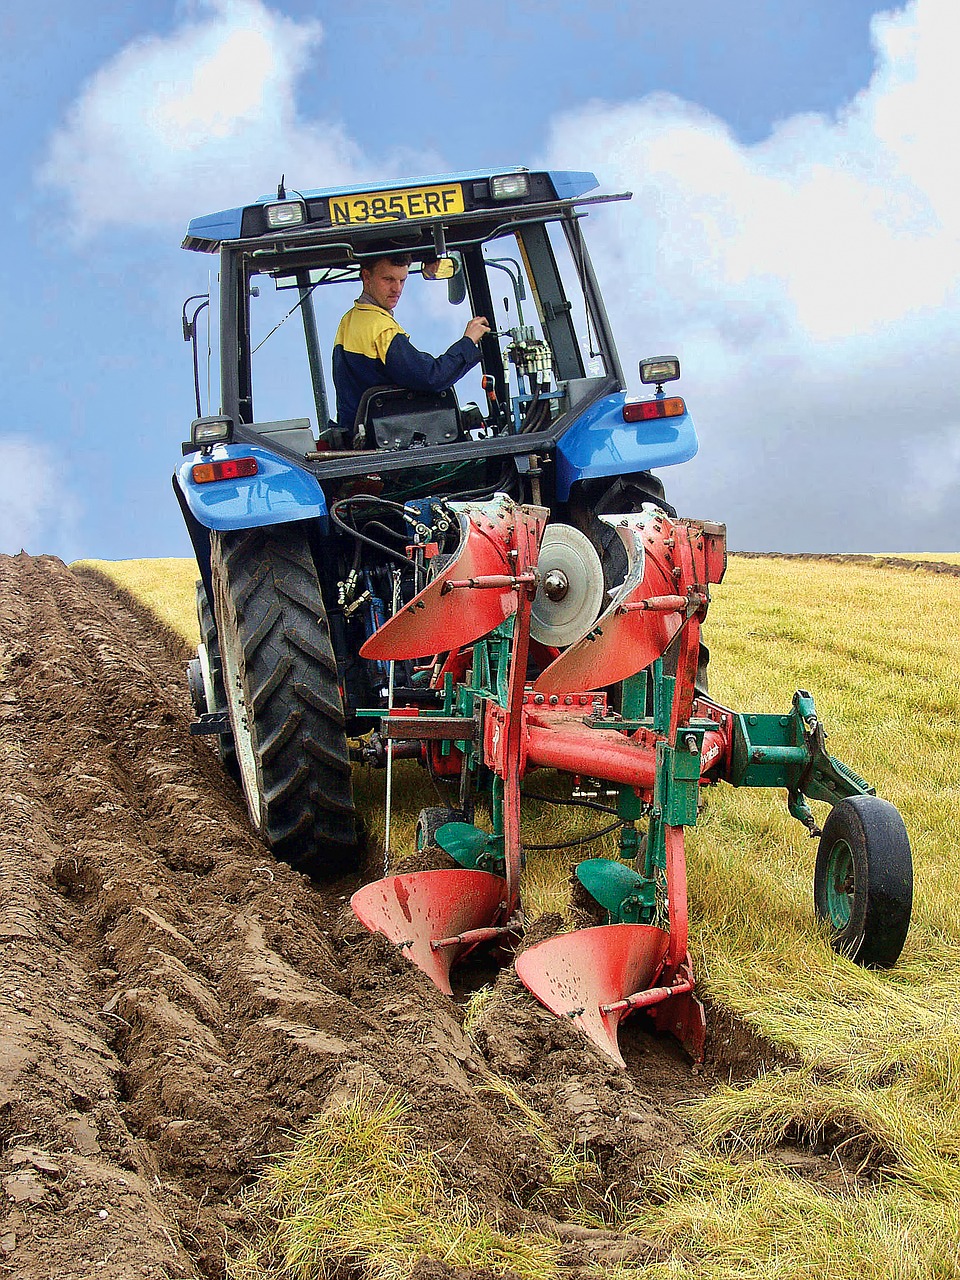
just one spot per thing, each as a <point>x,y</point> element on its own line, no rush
<point>372,350</point>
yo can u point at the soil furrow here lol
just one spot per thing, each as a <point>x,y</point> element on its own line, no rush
<point>176,1004</point>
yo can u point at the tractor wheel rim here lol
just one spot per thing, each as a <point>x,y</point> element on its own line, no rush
<point>840,884</point>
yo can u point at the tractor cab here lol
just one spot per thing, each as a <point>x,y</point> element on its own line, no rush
<point>548,400</point>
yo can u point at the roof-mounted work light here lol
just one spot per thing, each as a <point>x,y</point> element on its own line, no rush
<point>291,213</point>
<point>510,186</point>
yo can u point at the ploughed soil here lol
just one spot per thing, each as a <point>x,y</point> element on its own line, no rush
<point>176,1005</point>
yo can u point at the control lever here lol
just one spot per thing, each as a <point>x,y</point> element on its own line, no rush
<point>495,409</point>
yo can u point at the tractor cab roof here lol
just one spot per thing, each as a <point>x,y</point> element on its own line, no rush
<point>407,214</point>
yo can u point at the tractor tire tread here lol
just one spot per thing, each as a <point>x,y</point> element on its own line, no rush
<point>307,815</point>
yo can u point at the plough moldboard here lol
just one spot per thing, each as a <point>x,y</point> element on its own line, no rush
<point>620,704</point>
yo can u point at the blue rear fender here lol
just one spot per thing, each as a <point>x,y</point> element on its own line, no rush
<point>599,443</point>
<point>278,493</point>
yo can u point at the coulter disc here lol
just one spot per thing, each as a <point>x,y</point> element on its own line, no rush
<point>570,594</point>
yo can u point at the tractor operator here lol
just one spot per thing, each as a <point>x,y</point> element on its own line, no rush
<point>372,350</point>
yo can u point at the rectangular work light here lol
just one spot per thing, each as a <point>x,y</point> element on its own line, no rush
<point>510,186</point>
<point>291,213</point>
<point>660,369</point>
<point>212,430</point>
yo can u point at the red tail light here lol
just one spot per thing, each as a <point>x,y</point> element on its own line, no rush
<point>644,410</point>
<point>228,469</point>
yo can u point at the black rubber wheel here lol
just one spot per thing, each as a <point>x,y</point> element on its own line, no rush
<point>280,680</point>
<point>863,880</point>
<point>429,823</point>
<point>211,676</point>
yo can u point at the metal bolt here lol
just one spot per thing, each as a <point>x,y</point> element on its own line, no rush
<point>539,699</point>
<point>554,699</point>
<point>555,584</point>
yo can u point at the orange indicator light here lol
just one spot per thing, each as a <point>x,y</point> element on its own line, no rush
<point>645,410</point>
<point>228,469</point>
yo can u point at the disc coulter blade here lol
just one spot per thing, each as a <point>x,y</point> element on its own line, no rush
<point>623,641</point>
<point>570,592</point>
<point>421,907</point>
<point>574,974</point>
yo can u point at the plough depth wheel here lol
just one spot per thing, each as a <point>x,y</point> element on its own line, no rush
<point>863,880</point>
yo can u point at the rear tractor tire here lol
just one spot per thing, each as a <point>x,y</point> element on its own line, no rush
<point>863,881</point>
<point>280,681</point>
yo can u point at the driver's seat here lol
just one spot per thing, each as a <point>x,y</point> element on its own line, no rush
<point>400,418</point>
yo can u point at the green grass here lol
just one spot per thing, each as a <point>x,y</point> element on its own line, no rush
<point>357,1194</point>
<point>879,1052</point>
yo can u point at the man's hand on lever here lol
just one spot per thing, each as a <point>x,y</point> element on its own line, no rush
<point>476,329</point>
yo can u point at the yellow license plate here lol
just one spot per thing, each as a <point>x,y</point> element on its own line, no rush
<point>397,206</point>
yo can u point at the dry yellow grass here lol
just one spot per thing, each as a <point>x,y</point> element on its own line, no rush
<point>357,1197</point>
<point>880,1052</point>
<point>166,586</point>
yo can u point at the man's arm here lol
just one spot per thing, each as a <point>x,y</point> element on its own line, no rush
<point>408,367</point>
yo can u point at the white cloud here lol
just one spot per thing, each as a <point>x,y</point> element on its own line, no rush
<point>184,122</point>
<point>38,510</point>
<point>812,283</point>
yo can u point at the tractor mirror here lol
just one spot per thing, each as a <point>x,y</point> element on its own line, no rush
<point>440,269</point>
<point>447,267</point>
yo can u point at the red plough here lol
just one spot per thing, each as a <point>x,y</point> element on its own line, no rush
<point>504,715</point>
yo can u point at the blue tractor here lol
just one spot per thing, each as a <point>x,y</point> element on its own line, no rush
<point>310,534</point>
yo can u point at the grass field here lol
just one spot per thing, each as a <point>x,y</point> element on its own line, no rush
<point>879,1052</point>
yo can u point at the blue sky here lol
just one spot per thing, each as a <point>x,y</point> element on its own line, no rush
<point>794,232</point>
